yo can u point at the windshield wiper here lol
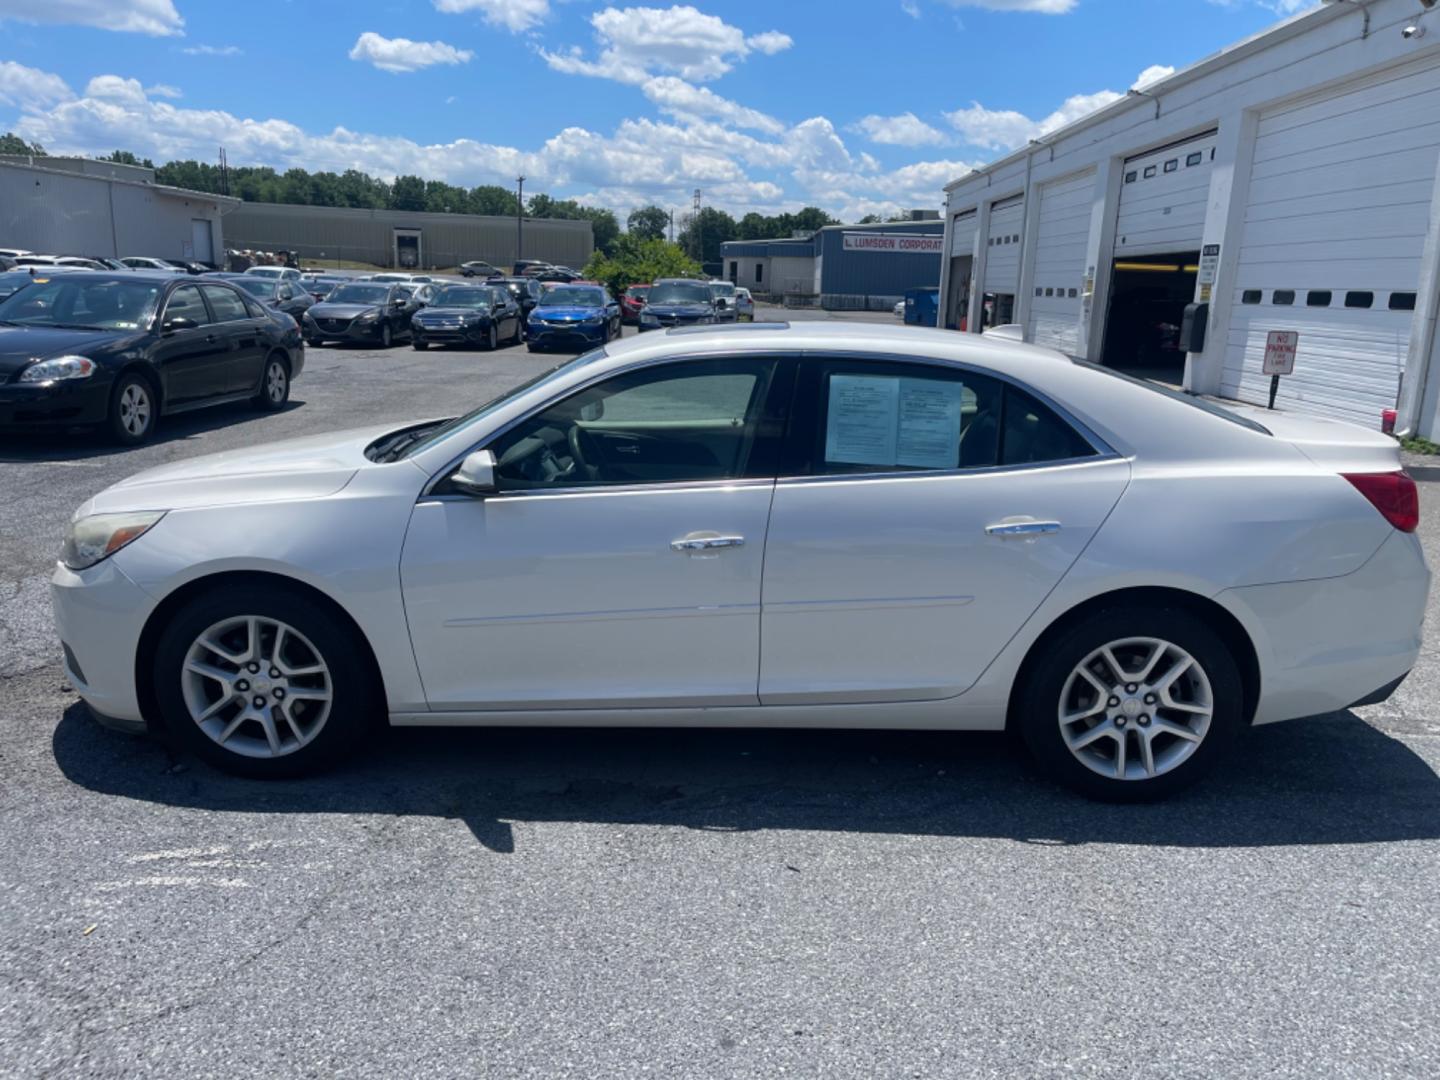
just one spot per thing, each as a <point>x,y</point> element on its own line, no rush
<point>397,446</point>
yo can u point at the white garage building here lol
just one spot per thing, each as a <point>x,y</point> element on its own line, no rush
<point>1290,182</point>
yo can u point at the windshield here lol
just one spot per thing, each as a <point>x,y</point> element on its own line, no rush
<point>568,297</point>
<point>461,298</point>
<point>637,292</point>
<point>263,287</point>
<point>723,288</point>
<point>263,271</point>
<point>14,281</point>
<point>679,292</point>
<point>448,427</point>
<point>390,277</point>
<point>84,301</point>
<point>359,294</point>
<point>1176,395</point>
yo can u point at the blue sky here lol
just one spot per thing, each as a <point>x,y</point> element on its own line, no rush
<point>858,106</point>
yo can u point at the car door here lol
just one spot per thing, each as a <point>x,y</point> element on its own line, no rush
<point>508,316</point>
<point>582,584</point>
<point>929,511</point>
<point>193,361</point>
<point>245,333</point>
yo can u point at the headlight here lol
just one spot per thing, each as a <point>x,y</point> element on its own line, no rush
<point>594,318</point>
<point>99,536</point>
<point>369,316</point>
<point>646,317</point>
<point>62,367</point>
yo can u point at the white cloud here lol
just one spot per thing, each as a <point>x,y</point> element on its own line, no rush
<point>907,129</point>
<point>29,88</point>
<point>397,55</point>
<point>638,42</point>
<point>155,17</point>
<point>1280,7</point>
<point>115,90</point>
<point>688,102</point>
<point>1042,7</point>
<point>513,15</point>
<point>909,7</point>
<point>1153,73</point>
<point>212,50</point>
<point>164,90</point>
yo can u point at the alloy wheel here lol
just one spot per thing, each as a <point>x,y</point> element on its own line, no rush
<point>135,409</point>
<point>1136,708</point>
<point>275,382</point>
<point>256,686</point>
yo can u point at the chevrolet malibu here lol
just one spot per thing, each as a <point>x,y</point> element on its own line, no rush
<point>819,525</point>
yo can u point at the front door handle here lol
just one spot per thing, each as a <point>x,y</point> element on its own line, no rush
<point>706,543</point>
<point>1010,530</point>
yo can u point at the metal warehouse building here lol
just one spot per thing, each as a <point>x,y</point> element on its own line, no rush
<point>840,267</point>
<point>1289,183</point>
<point>403,238</point>
<point>75,206</point>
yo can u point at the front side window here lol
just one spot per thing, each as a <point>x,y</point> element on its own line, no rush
<point>186,303</point>
<point>226,304</point>
<point>684,422</point>
<point>887,417</point>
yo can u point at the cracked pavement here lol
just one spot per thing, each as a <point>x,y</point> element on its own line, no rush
<point>685,904</point>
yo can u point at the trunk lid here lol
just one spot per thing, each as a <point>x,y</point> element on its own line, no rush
<point>1335,444</point>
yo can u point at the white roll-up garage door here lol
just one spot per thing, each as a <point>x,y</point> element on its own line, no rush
<point>1163,199</point>
<point>1062,236</point>
<point>962,234</point>
<point>1335,223</point>
<point>1002,246</point>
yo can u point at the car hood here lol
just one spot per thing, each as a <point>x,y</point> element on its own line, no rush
<point>310,467</point>
<point>678,309</point>
<point>571,313</point>
<point>323,310</point>
<point>449,312</point>
<point>19,345</point>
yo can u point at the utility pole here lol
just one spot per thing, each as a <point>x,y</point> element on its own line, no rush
<point>672,226</point>
<point>697,229</point>
<point>519,218</point>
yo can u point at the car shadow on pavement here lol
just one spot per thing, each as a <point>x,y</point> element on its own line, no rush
<point>79,444</point>
<point>1335,780</point>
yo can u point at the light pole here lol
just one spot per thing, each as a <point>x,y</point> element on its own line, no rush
<point>519,218</point>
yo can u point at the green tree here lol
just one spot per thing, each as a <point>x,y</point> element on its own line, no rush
<point>407,193</point>
<point>125,157</point>
<point>10,143</point>
<point>706,231</point>
<point>634,259</point>
<point>491,199</point>
<point>648,223</point>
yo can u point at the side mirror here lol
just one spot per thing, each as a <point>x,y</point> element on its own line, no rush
<point>179,322</point>
<point>592,411</point>
<point>722,303</point>
<point>399,301</point>
<point>476,475</point>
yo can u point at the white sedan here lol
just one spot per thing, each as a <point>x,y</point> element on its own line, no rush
<point>815,525</point>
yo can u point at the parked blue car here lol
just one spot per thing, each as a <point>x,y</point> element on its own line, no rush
<point>573,317</point>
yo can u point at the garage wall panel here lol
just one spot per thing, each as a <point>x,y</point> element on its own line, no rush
<point>1339,201</point>
<point>1062,236</point>
<point>962,234</point>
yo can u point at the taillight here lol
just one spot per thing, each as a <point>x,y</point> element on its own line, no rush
<point>1394,494</point>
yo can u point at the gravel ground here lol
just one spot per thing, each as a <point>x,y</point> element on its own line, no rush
<point>684,904</point>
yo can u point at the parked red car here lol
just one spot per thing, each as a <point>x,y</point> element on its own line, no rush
<point>631,301</point>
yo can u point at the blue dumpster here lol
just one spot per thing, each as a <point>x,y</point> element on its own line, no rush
<point>922,306</point>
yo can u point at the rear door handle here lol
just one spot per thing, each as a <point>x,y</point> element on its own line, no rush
<point>706,543</point>
<point>1012,530</point>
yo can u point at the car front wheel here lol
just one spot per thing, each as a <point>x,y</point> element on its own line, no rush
<point>132,410</point>
<point>385,336</point>
<point>263,682</point>
<point>1132,704</point>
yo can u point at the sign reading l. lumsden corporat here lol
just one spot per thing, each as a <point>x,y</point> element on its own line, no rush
<point>905,243</point>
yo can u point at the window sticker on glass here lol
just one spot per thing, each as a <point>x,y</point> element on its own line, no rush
<point>889,421</point>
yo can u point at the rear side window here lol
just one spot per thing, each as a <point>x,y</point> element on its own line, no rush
<point>882,418</point>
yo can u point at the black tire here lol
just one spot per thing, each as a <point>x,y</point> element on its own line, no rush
<point>1039,701</point>
<point>274,390</point>
<point>492,339</point>
<point>519,338</point>
<point>314,342</point>
<point>418,345</point>
<point>134,409</point>
<point>387,337</point>
<point>532,347</point>
<point>357,699</point>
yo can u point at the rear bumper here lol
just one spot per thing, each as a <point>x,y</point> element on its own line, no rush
<point>1326,645</point>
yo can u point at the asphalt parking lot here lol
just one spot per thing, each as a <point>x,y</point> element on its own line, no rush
<point>684,904</point>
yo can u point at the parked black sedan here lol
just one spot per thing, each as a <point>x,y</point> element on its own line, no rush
<point>294,300</point>
<point>525,291</point>
<point>121,349</point>
<point>369,312</point>
<point>468,315</point>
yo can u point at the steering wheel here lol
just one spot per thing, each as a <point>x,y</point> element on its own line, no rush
<point>584,451</point>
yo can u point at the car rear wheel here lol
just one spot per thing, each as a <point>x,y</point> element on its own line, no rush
<point>274,385</point>
<point>1132,704</point>
<point>133,410</point>
<point>263,682</point>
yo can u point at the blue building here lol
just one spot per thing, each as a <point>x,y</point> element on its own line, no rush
<point>840,267</point>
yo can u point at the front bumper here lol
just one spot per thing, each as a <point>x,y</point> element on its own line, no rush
<point>99,613</point>
<point>355,330</point>
<point>58,404</point>
<point>449,334</point>
<point>569,336</point>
